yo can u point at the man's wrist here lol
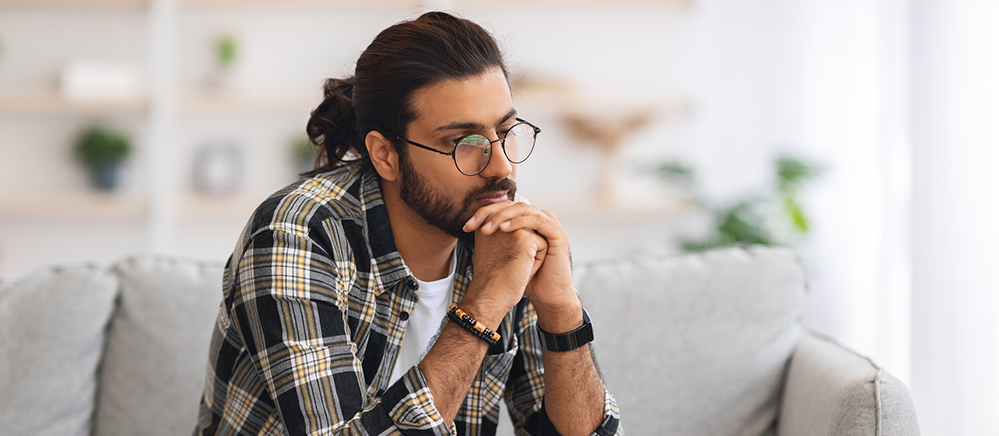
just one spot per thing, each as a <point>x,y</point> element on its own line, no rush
<point>560,319</point>
<point>570,340</point>
<point>487,310</point>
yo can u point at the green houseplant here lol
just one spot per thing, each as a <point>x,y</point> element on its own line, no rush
<point>766,218</point>
<point>102,150</point>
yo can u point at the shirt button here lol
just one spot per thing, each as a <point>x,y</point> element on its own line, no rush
<point>412,284</point>
<point>404,316</point>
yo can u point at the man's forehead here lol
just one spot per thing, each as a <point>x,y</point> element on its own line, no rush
<point>467,103</point>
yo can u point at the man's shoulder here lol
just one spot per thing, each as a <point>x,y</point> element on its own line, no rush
<point>341,193</point>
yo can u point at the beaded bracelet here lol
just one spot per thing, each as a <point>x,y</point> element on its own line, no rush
<point>463,319</point>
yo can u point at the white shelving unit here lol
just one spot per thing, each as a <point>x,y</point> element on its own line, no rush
<point>158,209</point>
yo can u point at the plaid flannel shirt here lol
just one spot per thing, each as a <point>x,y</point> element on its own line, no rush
<point>316,299</point>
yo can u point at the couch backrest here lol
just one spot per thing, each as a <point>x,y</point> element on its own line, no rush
<point>689,344</point>
<point>157,346</point>
<point>52,324</point>
<point>696,344</point>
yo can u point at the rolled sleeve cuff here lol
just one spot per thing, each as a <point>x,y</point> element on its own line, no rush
<point>609,427</point>
<point>411,406</point>
<point>612,417</point>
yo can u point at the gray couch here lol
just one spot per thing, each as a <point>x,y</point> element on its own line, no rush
<point>697,344</point>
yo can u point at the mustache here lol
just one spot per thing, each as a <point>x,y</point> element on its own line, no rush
<point>494,185</point>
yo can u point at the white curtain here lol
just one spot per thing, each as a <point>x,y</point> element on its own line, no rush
<point>955,215</point>
<point>901,99</point>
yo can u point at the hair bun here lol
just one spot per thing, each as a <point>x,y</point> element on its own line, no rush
<point>344,87</point>
<point>333,124</point>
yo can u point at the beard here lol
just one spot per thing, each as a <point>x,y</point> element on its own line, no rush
<point>437,209</point>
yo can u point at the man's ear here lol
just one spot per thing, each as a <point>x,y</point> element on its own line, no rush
<point>383,155</point>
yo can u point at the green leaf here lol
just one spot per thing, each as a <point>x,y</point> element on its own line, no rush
<point>795,213</point>
<point>742,224</point>
<point>673,172</point>
<point>226,49</point>
<point>792,172</point>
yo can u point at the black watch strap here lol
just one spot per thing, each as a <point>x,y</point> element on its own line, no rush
<point>568,341</point>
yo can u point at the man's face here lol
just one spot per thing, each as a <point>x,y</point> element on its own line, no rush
<point>431,185</point>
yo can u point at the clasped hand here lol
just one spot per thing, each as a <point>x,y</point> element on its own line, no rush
<point>521,251</point>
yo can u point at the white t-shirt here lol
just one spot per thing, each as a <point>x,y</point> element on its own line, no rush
<point>433,299</point>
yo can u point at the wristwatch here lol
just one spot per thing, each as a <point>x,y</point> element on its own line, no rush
<point>568,341</point>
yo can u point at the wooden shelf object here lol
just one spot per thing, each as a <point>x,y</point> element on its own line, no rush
<point>74,205</point>
<point>676,5</point>
<point>75,4</point>
<point>679,5</point>
<point>51,103</point>
<point>293,4</point>
<point>225,207</point>
<point>225,103</point>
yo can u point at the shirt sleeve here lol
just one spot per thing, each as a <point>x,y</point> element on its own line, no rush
<point>290,310</point>
<point>524,393</point>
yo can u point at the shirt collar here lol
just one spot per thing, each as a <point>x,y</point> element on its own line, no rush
<point>386,262</point>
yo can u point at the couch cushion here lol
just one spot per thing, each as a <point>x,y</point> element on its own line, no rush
<point>52,325</point>
<point>696,344</point>
<point>157,351</point>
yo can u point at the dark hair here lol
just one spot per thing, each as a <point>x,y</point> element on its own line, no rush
<point>403,58</point>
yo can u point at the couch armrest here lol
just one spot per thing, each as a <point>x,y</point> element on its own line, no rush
<point>831,390</point>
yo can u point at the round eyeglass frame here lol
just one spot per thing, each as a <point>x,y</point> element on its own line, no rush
<point>502,142</point>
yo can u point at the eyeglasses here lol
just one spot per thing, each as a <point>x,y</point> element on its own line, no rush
<point>472,153</point>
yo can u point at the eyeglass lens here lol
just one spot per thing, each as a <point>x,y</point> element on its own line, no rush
<point>473,151</point>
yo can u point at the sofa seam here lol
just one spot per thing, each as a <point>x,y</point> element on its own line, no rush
<point>105,344</point>
<point>840,345</point>
<point>878,376</point>
<point>175,260</point>
<point>878,410</point>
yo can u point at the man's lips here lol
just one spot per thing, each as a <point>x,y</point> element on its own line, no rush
<point>493,197</point>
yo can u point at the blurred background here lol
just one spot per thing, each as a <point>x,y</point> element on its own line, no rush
<point>862,133</point>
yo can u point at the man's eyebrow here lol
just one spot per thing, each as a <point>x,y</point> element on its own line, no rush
<point>473,126</point>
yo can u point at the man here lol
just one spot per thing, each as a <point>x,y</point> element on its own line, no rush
<point>350,304</point>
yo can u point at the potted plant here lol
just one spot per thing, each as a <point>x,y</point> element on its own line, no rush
<point>756,218</point>
<point>102,150</point>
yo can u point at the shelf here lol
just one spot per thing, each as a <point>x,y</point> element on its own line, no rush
<point>72,206</point>
<point>75,4</point>
<point>415,4</point>
<point>293,4</point>
<point>226,207</point>
<point>51,103</point>
<point>672,4</point>
<point>202,103</point>
<point>566,100</point>
<point>92,204</point>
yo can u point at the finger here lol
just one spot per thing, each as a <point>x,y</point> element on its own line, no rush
<point>540,243</point>
<point>496,219</point>
<point>542,223</point>
<point>484,212</point>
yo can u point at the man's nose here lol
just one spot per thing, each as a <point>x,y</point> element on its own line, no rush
<point>499,166</point>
